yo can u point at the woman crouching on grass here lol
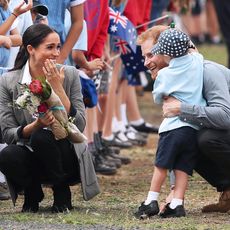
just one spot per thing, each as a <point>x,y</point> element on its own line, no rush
<point>33,155</point>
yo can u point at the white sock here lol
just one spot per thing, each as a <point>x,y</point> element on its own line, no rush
<point>109,138</point>
<point>151,196</point>
<point>175,202</point>
<point>115,125</point>
<point>121,126</point>
<point>137,122</point>
<point>123,114</point>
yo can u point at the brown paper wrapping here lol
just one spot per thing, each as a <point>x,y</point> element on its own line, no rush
<point>62,127</point>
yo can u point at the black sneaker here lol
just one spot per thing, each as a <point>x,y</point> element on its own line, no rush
<point>4,192</point>
<point>62,198</point>
<point>117,143</point>
<point>115,149</point>
<point>108,152</point>
<point>146,128</point>
<point>176,212</point>
<point>102,168</point>
<point>145,211</point>
<point>135,137</point>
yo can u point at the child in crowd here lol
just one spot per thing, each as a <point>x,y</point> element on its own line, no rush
<point>177,147</point>
<point>9,35</point>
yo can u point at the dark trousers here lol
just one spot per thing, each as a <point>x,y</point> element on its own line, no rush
<point>213,162</point>
<point>51,161</point>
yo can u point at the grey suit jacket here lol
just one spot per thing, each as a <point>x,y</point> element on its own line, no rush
<point>12,119</point>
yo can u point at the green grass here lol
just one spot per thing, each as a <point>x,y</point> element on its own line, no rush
<point>217,53</point>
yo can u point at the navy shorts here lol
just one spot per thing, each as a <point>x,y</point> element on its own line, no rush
<point>177,149</point>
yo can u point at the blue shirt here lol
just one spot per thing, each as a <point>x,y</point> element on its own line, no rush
<point>4,52</point>
<point>56,15</point>
<point>182,79</point>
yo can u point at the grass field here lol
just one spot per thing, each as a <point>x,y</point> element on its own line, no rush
<point>121,194</point>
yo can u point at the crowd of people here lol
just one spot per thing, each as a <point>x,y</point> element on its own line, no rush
<point>67,45</point>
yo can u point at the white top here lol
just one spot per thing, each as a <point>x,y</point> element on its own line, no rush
<point>22,22</point>
<point>26,78</point>
<point>81,43</point>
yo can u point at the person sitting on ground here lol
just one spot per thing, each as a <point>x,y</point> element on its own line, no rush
<point>177,146</point>
<point>33,155</point>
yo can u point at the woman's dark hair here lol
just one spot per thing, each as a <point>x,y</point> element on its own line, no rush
<point>34,36</point>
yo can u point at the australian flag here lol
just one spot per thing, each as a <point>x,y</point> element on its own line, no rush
<point>133,61</point>
<point>122,28</point>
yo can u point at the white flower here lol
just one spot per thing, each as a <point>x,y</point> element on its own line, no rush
<point>22,100</point>
<point>28,101</point>
<point>35,100</point>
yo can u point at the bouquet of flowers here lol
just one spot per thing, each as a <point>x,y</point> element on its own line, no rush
<point>37,98</point>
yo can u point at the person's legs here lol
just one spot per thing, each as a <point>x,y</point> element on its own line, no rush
<point>180,185</point>
<point>183,143</point>
<point>101,111</point>
<point>19,166</point>
<point>175,208</point>
<point>213,165</point>
<point>61,192</point>
<point>111,99</point>
<point>150,206</point>
<point>134,116</point>
<point>131,104</point>
<point>92,130</point>
<point>214,158</point>
<point>228,49</point>
<point>223,11</point>
<point>91,123</point>
<point>158,179</point>
<point>212,23</point>
<point>48,153</point>
<point>59,166</point>
<point>4,192</point>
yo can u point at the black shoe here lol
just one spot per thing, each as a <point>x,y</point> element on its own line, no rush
<point>115,149</point>
<point>135,137</point>
<point>146,128</point>
<point>105,153</point>
<point>108,153</point>
<point>123,159</point>
<point>60,208</point>
<point>33,194</point>
<point>117,143</point>
<point>102,168</point>
<point>62,198</point>
<point>98,156</point>
<point>145,211</point>
<point>4,196</point>
<point>4,192</point>
<point>176,212</point>
<point>30,207</point>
